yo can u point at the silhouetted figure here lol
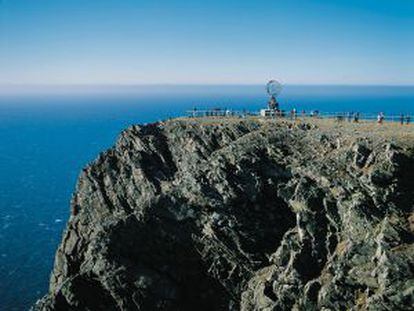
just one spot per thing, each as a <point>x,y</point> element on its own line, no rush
<point>408,119</point>
<point>401,119</point>
<point>356,117</point>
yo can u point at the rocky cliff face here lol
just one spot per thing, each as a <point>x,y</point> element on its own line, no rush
<point>240,215</point>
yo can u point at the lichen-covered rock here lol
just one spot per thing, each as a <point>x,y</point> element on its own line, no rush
<point>240,215</point>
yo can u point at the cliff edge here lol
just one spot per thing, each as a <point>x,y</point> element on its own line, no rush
<point>241,215</point>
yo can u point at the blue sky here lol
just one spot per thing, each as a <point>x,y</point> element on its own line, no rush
<point>196,42</point>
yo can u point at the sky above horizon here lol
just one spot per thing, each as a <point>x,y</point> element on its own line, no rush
<point>212,42</point>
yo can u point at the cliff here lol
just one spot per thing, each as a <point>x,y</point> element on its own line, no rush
<point>242,215</point>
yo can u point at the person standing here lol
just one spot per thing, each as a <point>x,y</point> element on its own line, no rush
<point>408,119</point>
<point>356,117</point>
<point>293,114</point>
<point>380,118</point>
<point>350,115</point>
<point>401,119</point>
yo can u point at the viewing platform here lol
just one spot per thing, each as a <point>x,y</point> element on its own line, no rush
<point>390,130</point>
<point>351,117</point>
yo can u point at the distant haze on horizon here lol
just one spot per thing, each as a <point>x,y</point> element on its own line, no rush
<point>200,90</point>
<point>131,42</point>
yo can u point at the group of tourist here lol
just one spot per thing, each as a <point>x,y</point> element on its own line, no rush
<point>350,116</point>
<point>353,116</point>
<point>404,119</point>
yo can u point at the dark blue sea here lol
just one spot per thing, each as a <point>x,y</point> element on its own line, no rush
<point>47,136</point>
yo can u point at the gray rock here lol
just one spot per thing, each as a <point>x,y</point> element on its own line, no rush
<point>241,215</point>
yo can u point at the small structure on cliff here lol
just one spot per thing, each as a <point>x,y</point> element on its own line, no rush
<point>273,89</point>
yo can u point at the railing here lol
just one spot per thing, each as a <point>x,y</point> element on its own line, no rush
<point>220,113</point>
<point>338,116</point>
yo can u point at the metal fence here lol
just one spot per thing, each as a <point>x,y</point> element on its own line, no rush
<point>217,112</point>
<point>337,116</point>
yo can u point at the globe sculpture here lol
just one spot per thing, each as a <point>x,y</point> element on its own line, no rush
<point>273,88</point>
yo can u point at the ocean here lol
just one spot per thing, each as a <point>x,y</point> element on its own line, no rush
<point>46,137</point>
